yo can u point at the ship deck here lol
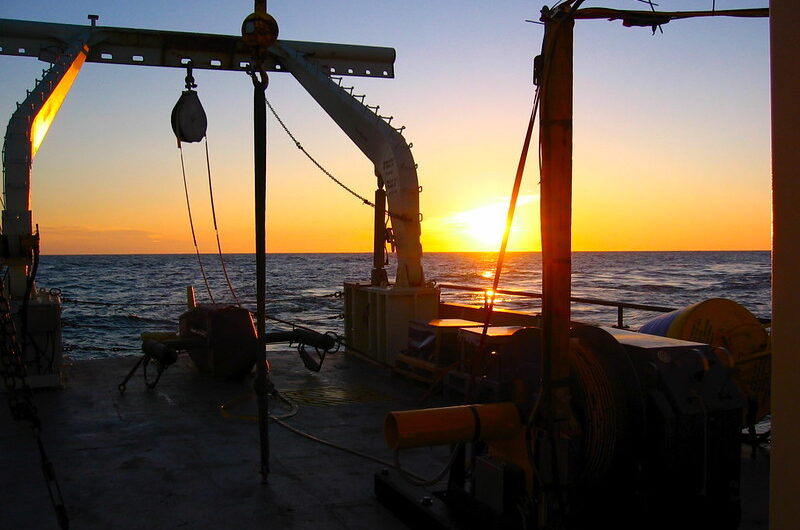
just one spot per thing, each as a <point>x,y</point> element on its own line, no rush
<point>167,458</point>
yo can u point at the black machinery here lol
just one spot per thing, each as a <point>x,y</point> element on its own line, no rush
<point>221,341</point>
<point>654,440</point>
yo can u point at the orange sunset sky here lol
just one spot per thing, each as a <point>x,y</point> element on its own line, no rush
<point>671,132</point>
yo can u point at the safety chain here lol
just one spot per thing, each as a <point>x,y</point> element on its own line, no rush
<point>20,400</point>
<point>325,171</point>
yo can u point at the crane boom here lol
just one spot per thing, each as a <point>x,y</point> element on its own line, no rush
<point>382,144</point>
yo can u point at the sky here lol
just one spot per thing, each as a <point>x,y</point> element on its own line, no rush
<point>671,131</point>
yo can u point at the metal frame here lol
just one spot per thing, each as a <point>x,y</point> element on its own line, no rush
<point>312,63</point>
<point>145,47</point>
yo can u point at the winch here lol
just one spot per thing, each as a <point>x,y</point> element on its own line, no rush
<point>654,437</point>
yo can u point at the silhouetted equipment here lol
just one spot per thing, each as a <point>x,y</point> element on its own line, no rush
<point>656,439</point>
<point>189,121</point>
<point>739,340</point>
<point>323,343</point>
<point>615,429</point>
<point>221,341</point>
<point>162,354</point>
<point>224,339</point>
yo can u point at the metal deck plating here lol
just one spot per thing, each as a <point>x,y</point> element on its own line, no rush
<point>168,459</point>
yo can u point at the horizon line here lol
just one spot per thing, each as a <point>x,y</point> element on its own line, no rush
<point>370,252</point>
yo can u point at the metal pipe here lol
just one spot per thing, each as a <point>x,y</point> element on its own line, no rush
<point>260,165</point>
<point>302,336</point>
<point>623,14</point>
<point>449,425</point>
<point>531,294</point>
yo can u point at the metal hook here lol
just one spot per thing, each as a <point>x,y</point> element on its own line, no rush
<point>258,74</point>
<point>190,84</point>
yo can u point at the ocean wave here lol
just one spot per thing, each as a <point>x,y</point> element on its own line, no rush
<point>148,292</point>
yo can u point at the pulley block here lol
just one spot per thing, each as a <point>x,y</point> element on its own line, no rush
<point>188,118</point>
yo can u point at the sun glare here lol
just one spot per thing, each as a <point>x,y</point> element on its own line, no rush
<point>484,225</point>
<point>481,229</point>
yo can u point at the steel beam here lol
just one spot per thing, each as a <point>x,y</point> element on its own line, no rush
<point>175,49</point>
<point>382,143</point>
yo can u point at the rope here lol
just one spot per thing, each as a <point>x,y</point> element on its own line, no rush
<point>191,224</point>
<point>225,408</point>
<point>478,358</point>
<point>225,412</point>
<point>325,171</point>
<point>216,230</point>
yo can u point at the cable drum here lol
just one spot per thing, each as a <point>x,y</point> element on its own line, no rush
<point>608,400</point>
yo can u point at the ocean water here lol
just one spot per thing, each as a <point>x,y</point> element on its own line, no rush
<point>110,300</point>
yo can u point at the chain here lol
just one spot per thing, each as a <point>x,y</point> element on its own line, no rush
<point>325,171</point>
<point>20,400</point>
<point>19,394</point>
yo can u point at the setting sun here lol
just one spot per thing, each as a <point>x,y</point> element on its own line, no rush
<point>484,225</point>
<point>481,228</point>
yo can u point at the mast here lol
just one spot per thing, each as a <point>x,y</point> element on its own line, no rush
<point>555,137</point>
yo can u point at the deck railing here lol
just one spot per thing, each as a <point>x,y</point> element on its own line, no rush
<point>621,306</point>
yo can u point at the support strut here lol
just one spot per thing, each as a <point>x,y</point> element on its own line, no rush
<point>260,164</point>
<point>259,32</point>
<point>555,137</point>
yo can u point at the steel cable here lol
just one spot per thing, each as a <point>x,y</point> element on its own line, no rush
<point>191,225</point>
<point>216,230</point>
<point>478,358</point>
<point>325,171</point>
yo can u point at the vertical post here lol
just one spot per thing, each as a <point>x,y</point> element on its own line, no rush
<point>555,132</point>
<point>379,276</point>
<point>555,136</point>
<point>259,32</point>
<point>260,164</point>
<point>785,74</point>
